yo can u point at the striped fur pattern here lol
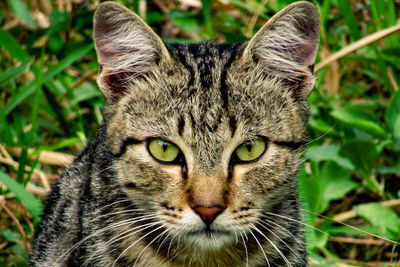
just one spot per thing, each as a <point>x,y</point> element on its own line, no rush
<point>117,206</point>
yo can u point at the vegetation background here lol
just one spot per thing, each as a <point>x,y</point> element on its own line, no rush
<point>350,180</point>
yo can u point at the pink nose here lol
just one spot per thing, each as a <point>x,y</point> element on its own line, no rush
<point>208,214</point>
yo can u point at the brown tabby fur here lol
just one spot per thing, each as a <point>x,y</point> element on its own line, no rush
<point>118,206</point>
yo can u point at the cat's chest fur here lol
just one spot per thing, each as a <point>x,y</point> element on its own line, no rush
<point>196,163</point>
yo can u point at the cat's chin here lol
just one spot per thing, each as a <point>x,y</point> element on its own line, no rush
<point>210,240</point>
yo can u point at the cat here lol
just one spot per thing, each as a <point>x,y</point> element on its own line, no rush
<point>197,160</point>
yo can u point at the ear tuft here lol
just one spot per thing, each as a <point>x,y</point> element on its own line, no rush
<point>287,44</point>
<point>126,47</point>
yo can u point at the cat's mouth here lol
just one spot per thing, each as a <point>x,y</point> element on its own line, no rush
<point>209,233</point>
<point>210,239</point>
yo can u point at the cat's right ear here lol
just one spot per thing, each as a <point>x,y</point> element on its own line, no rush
<point>127,48</point>
<point>286,46</point>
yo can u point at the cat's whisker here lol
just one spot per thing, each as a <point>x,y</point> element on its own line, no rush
<point>134,243</point>
<point>322,136</point>
<point>76,245</point>
<point>154,239</point>
<point>245,249</point>
<point>280,239</point>
<point>272,244</point>
<point>170,243</point>
<point>114,203</point>
<point>236,238</point>
<point>260,246</point>
<point>102,230</point>
<point>103,170</point>
<point>127,233</point>
<point>267,221</point>
<point>297,221</point>
<point>165,238</point>
<point>118,212</point>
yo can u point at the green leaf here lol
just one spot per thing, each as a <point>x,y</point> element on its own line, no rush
<point>84,92</point>
<point>359,120</point>
<point>186,22</point>
<point>309,198</point>
<point>336,182</point>
<point>389,169</point>
<point>393,117</point>
<point>10,235</point>
<point>19,8</point>
<point>32,204</point>
<point>362,153</point>
<point>323,127</point>
<point>328,153</point>
<point>153,17</point>
<point>380,216</point>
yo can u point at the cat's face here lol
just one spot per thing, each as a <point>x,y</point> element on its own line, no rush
<point>207,137</point>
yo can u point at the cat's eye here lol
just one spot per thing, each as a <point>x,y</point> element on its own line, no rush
<point>250,150</point>
<point>163,151</point>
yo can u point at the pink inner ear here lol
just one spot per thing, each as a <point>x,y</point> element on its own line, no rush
<point>103,57</point>
<point>306,54</point>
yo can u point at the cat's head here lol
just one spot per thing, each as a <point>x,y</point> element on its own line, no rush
<point>207,137</point>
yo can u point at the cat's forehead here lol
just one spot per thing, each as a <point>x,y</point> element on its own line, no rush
<point>209,90</point>
<point>205,55</point>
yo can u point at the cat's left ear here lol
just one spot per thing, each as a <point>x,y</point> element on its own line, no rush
<point>127,48</point>
<point>287,44</point>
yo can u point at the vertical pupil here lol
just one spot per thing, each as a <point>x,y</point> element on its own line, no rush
<point>164,146</point>
<point>249,146</point>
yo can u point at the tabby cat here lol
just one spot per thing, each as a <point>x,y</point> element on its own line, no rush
<point>196,162</point>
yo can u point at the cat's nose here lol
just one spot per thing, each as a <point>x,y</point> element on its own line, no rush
<point>208,214</point>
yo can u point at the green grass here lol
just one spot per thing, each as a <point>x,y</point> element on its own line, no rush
<point>349,182</point>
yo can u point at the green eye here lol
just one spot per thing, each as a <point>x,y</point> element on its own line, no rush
<point>162,150</point>
<point>251,150</point>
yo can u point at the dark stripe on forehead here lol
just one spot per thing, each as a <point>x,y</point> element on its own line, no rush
<point>204,54</point>
<point>223,86</point>
<point>232,125</point>
<point>180,51</point>
<point>181,125</point>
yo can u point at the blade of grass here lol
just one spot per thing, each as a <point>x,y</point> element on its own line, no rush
<point>375,14</point>
<point>8,42</point>
<point>351,21</point>
<point>36,99</point>
<point>67,61</point>
<point>392,20</point>
<point>356,45</point>
<point>383,68</point>
<point>325,13</point>
<point>247,7</point>
<point>22,162</point>
<point>53,70</point>
<point>31,203</point>
<point>14,72</point>
<point>22,12</point>
<point>62,144</point>
<point>207,18</point>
